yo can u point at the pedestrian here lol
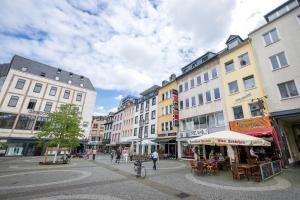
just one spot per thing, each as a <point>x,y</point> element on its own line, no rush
<point>87,154</point>
<point>154,157</point>
<point>118,156</point>
<point>125,154</point>
<point>131,154</point>
<point>94,153</point>
<point>112,153</point>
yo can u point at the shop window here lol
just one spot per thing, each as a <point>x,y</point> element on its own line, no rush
<point>278,60</point>
<point>255,109</point>
<point>238,112</point>
<point>37,87</point>
<point>244,59</point>
<point>288,89</point>
<point>200,99</point>
<point>13,101</point>
<point>196,122</point>
<point>25,122</point>
<point>271,37</point>
<point>53,91</point>
<point>203,122</point>
<point>229,66</point>
<point>211,120</point>
<point>67,94</point>
<point>20,84</point>
<point>249,82</point>
<point>7,120</point>
<point>31,104</point>
<point>233,87</point>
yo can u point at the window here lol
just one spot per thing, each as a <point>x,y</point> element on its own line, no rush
<point>229,66</point>
<point>233,87</point>
<point>219,119</point>
<point>200,99</point>
<point>163,96</point>
<point>238,112</point>
<point>146,131</point>
<point>199,80</point>
<point>193,101</point>
<point>187,103</point>
<point>13,101</point>
<point>271,37</point>
<point>163,126</point>
<point>78,97</point>
<point>217,93</point>
<point>244,60</point>
<point>249,82</point>
<point>192,83</point>
<point>20,84</point>
<point>140,132</point>
<point>180,88</point>
<point>7,120</point>
<point>153,101</point>
<point>214,73</point>
<point>288,89</point>
<point>206,77</point>
<point>136,120</point>
<point>171,126</point>
<point>40,123</point>
<point>153,113</point>
<point>181,105</point>
<point>278,60</point>
<point>67,94</point>
<point>31,104</point>
<point>53,91</point>
<point>25,122</point>
<point>208,96</point>
<point>255,109</point>
<point>186,86</point>
<point>48,107</point>
<point>135,132</point>
<point>298,18</point>
<point>211,120</point>
<point>167,126</point>
<point>37,88</point>
<point>153,129</point>
<point>147,104</point>
<point>147,118</point>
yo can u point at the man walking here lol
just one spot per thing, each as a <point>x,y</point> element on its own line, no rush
<point>154,159</point>
<point>94,153</point>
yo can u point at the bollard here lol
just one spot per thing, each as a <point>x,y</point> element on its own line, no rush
<point>139,169</point>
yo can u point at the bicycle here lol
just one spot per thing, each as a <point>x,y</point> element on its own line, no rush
<point>139,164</point>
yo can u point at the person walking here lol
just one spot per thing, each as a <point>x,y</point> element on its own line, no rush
<point>154,157</point>
<point>118,156</point>
<point>87,154</point>
<point>112,154</point>
<point>94,153</point>
<point>125,154</point>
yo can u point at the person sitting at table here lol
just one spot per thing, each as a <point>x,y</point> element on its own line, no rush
<point>221,157</point>
<point>252,153</point>
<point>211,154</point>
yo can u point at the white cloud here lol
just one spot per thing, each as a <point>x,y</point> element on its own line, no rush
<point>101,111</point>
<point>119,97</point>
<point>123,45</point>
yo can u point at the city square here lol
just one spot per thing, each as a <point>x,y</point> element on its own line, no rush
<point>23,178</point>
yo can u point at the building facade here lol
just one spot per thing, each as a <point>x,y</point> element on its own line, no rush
<point>108,126</point>
<point>201,102</point>
<point>29,90</point>
<point>167,123</point>
<point>277,46</point>
<point>116,128</point>
<point>145,122</point>
<point>97,132</point>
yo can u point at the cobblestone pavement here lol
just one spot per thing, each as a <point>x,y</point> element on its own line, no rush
<point>23,178</point>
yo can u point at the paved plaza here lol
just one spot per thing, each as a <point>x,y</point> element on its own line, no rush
<point>23,178</point>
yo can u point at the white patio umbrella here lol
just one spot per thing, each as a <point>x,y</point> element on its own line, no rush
<point>223,138</point>
<point>148,142</point>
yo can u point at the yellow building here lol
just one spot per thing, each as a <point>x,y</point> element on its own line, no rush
<point>243,91</point>
<point>166,122</point>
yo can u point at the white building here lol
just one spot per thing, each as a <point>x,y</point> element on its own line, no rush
<point>201,102</point>
<point>145,121</point>
<point>28,90</point>
<point>277,48</point>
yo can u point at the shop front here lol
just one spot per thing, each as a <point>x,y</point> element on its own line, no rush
<point>259,127</point>
<point>167,145</point>
<point>24,147</point>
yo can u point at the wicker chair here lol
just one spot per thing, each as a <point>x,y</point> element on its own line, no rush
<point>193,164</point>
<point>201,168</point>
<point>236,172</point>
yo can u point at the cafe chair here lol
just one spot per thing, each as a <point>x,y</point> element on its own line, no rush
<point>256,174</point>
<point>193,164</point>
<point>201,168</point>
<point>236,172</point>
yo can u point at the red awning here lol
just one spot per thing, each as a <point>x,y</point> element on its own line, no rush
<point>263,132</point>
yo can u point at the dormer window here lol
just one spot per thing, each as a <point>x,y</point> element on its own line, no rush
<point>58,71</point>
<point>81,84</point>
<point>57,78</point>
<point>233,41</point>
<point>204,58</point>
<point>71,74</point>
<point>81,78</point>
<point>43,74</point>
<point>24,69</point>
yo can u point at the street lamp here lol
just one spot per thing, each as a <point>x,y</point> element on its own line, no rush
<point>139,163</point>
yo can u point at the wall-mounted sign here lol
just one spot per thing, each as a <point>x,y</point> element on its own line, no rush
<point>250,124</point>
<point>242,97</point>
<point>175,108</point>
<point>37,112</point>
<point>194,133</point>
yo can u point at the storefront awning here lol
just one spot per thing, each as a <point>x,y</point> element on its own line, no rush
<point>264,132</point>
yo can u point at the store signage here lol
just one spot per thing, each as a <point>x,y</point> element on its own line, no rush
<point>175,108</point>
<point>37,112</point>
<point>166,134</point>
<point>250,124</point>
<point>194,133</point>
<point>243,97</point>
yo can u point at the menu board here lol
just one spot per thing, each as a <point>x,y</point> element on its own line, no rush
<point>270,169</point>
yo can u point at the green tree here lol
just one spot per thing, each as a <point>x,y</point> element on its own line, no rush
<point>62,128</point>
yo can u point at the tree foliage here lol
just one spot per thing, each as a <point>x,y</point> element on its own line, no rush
<point>62,127</point>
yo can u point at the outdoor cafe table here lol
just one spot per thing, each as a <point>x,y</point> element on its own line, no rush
<point>247,169</point>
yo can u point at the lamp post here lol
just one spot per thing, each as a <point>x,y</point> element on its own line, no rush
<point>139,163</point>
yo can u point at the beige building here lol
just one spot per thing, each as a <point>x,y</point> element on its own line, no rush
<point>277,49</point>
<point>97,131</point>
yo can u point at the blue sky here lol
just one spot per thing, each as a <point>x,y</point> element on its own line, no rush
<point>124,47</point>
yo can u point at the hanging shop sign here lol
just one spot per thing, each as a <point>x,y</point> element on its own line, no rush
<point>175,108</point>
<point>250,124</point>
